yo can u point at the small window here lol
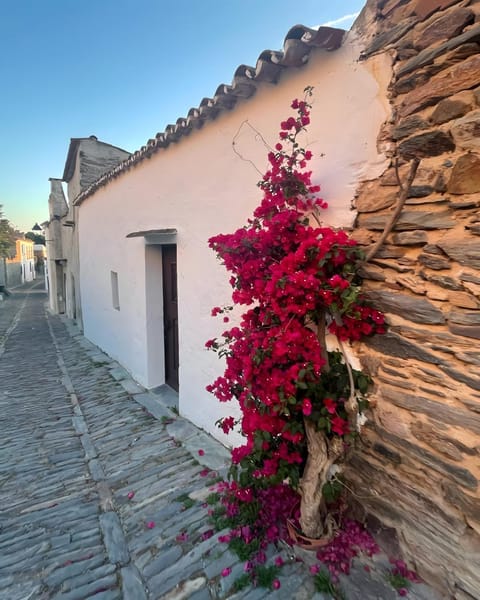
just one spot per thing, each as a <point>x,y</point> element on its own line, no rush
<point>115,296</point>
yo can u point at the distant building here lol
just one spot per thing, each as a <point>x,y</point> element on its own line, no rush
<point>21,268</point>
<point>40,254</point>
<point>87,160</point>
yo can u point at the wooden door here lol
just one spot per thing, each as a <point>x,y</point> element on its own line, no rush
<point>170,314</point>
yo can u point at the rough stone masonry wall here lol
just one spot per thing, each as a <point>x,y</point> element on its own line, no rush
<point>418,468</point>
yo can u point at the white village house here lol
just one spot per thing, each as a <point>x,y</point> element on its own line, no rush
<point>139,277</point>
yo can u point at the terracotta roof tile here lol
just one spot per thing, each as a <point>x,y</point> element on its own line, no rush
<point>297,46</point>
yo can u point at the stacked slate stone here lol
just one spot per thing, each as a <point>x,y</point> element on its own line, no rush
<point>417,472</point>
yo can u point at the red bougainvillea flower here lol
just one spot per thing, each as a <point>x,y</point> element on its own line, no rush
<point>339,426</point>
<point>306,407</point>
<point>330,405</point>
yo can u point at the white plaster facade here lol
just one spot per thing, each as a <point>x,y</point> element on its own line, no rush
<point>200,187</point>
<point>21,268</point>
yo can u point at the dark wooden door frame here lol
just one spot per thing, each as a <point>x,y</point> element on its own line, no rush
<point>170,314</point>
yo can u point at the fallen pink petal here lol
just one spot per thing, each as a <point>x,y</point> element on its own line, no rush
<point>130,495</point>
<point>207,534</point>
<point>226,572</point>
<point>151,524</point>
<point>201,452</point>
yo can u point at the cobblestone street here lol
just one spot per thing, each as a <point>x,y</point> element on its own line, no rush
<point>101,488</point>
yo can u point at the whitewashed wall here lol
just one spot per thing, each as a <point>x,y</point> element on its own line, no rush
<point>200,187</point>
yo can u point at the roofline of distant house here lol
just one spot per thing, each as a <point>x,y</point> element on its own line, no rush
<point>297,46</point>
<point>72,154</point>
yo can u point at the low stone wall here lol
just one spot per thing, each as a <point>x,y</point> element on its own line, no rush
<point>14,274</point>
<point>416,473</point>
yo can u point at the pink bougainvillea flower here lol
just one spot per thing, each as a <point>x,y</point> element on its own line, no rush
<point>314,569</point>
<point>279,561</point>
<point>201,452</point>
<point>130,495</point>
<point>204,473</point>
<point>248,566</point>
<point>151,524</point>
<point>227,424</point>
<point>276,584</point>
<point>224,539</point>
<point>182,537</point>
<point>226,572</point>
<point>339,426</point>
<point>402,592</point>
<point>307,407</point>
<point>330,405</point>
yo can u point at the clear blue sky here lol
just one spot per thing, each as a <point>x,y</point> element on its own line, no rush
<point>121,70</point>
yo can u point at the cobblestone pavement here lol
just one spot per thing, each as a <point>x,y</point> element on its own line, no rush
<point>99,480</point>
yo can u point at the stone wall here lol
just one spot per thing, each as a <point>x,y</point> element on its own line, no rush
<point>416,473</point>
<point>14,274</point>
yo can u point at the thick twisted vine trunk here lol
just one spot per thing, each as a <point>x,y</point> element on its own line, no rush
<point>322,453</point>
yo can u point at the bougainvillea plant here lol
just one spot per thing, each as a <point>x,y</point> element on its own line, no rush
<point>299,401</point>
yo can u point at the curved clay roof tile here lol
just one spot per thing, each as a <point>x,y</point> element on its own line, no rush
<point>295,53</point>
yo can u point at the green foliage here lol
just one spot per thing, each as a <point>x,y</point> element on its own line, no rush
<point>166,420</point>
<point>332,490</point>
<point>398,581</point>
<point>242,549</point>
<point>324,584</point>
<point>219,518</point>
<point>188,503</point>
<point>241,583</point>
<point>35,237</point>
<point>213,498</point>
<point>266,575</point>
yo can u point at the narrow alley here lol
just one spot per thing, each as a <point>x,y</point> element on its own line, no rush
<point>102,486</point>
